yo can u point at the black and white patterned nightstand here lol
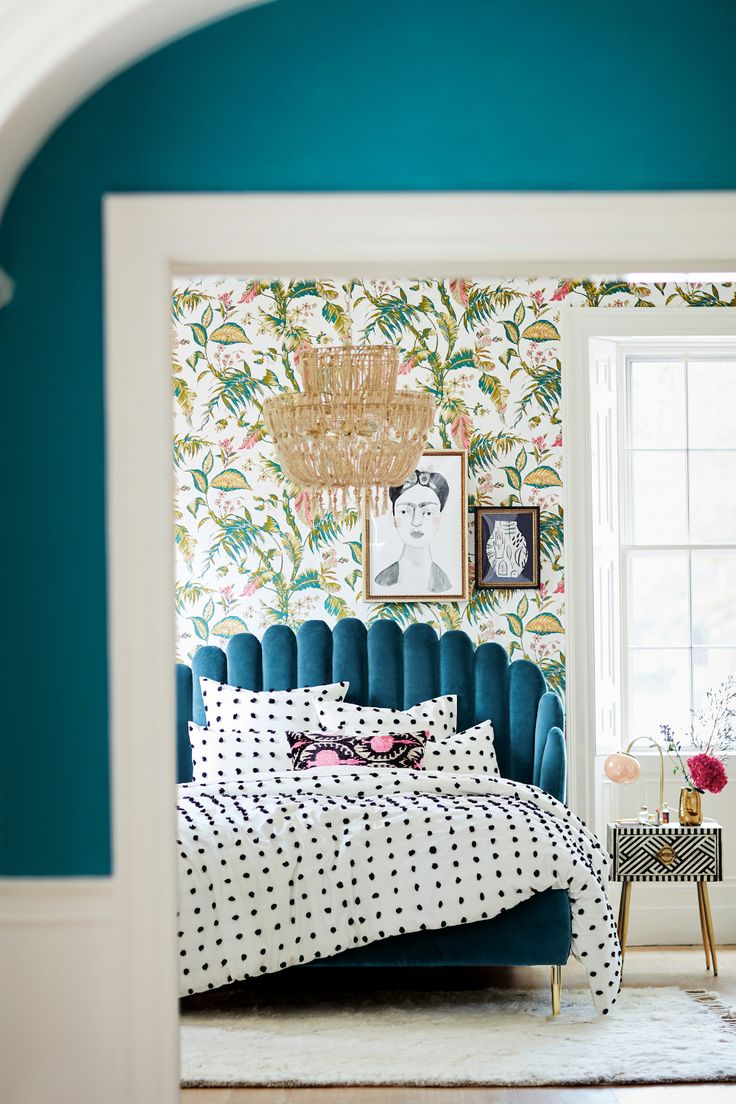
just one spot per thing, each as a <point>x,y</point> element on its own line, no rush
<point>667,853</point>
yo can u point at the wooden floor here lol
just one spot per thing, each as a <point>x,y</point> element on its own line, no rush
<point>683,966</point>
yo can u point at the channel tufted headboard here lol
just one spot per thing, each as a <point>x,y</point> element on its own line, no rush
<point>390,668</point>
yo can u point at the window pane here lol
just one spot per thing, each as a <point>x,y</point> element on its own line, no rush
<point>658,482</point>
<point>712,514</point>
<point>710,667</point>
<point>714,598</point>
<point>660,690</point>
<point>712,401</point>
<point>657,404</point>
<point>658,598</point>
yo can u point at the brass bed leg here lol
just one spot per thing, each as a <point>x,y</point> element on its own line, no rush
<point>556,989</point>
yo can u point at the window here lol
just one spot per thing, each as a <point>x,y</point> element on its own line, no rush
<point>666,542</point>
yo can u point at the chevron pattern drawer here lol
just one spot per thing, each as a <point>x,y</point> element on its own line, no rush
<point>666,852</point>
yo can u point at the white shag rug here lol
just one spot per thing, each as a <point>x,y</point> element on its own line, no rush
<point>482,1037</point>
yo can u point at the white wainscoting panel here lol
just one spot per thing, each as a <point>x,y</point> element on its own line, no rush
<point>60,1022</point>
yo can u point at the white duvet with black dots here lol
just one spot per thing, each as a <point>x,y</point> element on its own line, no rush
<point>281,869</point>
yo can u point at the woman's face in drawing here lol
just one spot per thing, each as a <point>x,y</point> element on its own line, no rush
<point>417,515</point>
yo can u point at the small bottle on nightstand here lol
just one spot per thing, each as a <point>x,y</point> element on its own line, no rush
<point>644,815</point>
<point>665,813</point>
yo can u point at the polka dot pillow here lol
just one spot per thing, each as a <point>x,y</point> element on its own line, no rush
<point>219,755</point>
<point>237,710</point>
<point>438,715</point>
<point>344,749</point>
<point>468,752</point>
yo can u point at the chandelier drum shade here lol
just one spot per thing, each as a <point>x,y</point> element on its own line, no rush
<point>349,429</point>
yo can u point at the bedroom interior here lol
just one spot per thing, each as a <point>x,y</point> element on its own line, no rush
<point>447,601</point>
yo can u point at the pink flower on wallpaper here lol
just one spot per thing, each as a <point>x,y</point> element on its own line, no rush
<point>707,773</point>
<point>252,439</point>
<point>250,588</point>
<point>562,292</point>
<point>298,352</point>
<point>459,291</point>
<point>543,590</point>
<point>226,298</point>
<point>252,290</point>
<point>227,593</point>
<point>538,442</point>
<point>560,588</point>
<point>538,297</point>
<point>462,430</point>
<point>557,443</point>
<point>406,366</point>
<point>303,506</point>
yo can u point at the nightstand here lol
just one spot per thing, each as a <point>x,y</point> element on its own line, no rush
<point>667,853</point>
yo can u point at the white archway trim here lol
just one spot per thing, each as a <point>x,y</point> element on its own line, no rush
<point>146,239</point>
<point>53,55</point>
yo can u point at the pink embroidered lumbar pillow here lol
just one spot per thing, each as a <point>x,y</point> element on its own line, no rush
<point>368,749</point>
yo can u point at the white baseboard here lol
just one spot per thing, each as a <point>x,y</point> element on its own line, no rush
<point>60,1014</point>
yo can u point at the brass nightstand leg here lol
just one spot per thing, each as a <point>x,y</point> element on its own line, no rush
<point>703,928</point>
<point>623,915</point>
<point>709,926</point>
<point>556,989</point>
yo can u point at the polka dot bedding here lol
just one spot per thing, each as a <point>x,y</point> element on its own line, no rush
<point>469,752</point>
<point>371,749</point>
<point>279,869</point>
<point>439,715</point>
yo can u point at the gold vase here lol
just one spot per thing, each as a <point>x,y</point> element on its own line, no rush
<point>691,807</point>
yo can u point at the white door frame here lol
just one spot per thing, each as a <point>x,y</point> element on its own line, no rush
<point>147,238</point>
<point>579,326</point>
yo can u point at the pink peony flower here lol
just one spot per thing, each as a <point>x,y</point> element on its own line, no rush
<point>707,773</point>
<point>226,298</point>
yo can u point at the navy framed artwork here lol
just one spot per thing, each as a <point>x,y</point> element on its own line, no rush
<point>506,547</point>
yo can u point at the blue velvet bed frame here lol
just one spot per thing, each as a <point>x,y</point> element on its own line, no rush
<point>390,668</point>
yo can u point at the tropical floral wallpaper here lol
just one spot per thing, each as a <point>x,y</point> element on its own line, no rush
<point>254,550</point>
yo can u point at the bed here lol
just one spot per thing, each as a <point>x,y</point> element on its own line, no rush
<point>393,669</point>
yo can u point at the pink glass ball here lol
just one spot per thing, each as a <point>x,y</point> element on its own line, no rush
<point>622,768</point>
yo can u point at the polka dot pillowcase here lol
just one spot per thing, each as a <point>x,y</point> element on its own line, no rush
<point>438,716</point>
<point>344,749</point>
<point>468,752</point>
<point>234,709</point>
<point>219,755</point>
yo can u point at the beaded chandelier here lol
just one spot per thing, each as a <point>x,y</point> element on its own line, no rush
<point>349,429</point>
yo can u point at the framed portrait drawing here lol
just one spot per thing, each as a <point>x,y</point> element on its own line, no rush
<point>506,547</point>
<point>415,549</point>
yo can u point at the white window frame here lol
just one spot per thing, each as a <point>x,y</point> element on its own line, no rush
<point>581,326</point>
<point>627,352</point>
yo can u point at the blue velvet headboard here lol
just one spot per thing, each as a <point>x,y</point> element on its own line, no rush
<point>391,668</point>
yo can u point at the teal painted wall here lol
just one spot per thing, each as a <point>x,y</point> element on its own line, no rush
<point>294,95</point>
